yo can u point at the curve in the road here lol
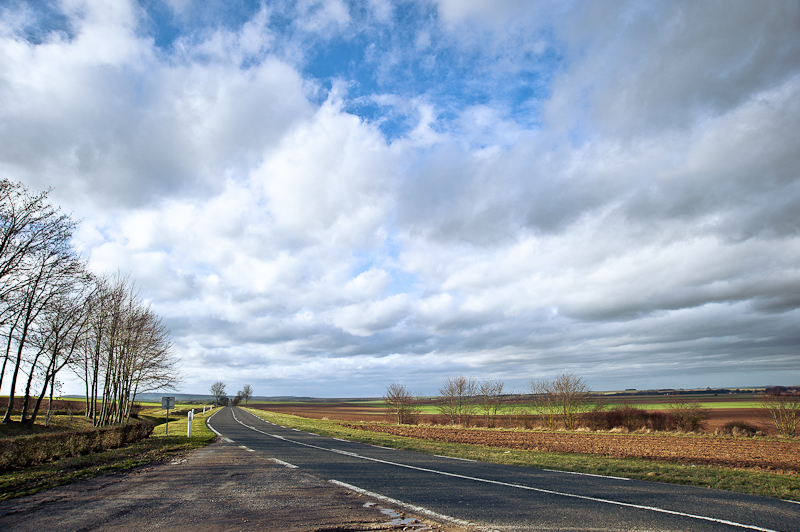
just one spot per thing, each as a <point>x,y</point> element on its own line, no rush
<point>516,486</point>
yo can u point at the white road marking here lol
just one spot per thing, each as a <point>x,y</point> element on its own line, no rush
<point>454,458</point>
<point>208,423</point>
<point>584,474</point>
<point>285,464</point>
<point>227,440</point>
<point>381,447</point>
<point>418,509</point>
<point>339,439</point>
<point>527,488</point>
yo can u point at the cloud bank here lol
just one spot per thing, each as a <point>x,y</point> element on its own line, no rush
<point>325,197</point>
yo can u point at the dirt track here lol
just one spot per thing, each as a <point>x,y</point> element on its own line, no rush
<point>219,488</point>
<point>728,452</point>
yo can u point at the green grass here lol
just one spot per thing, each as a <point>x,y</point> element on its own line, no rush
<point>764,483</point>
<point>158,447</point>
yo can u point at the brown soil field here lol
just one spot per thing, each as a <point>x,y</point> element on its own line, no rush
<point>755,453</point>
<point>706,450</point>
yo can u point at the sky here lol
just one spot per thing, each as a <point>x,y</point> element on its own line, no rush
<point>322,197</point>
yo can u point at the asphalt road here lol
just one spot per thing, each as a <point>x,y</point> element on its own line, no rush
<point>499,497</point>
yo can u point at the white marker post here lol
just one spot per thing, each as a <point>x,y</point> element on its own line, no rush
<point>204,409</point>
<point>189,420</point>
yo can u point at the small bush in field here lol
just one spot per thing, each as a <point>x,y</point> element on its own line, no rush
<point>738,428</point>
<point>689,416</point>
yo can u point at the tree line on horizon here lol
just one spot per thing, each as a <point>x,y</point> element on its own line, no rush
<point>56,315</point>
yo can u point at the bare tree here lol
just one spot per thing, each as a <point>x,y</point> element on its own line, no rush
<point>574,398</point>
<point>781,408</point>
<point>246,393</point>
<point>54,315</point>
<point>491,392</point>
<point>457,399</point>
<point>44,276</point>
<point>565,397</point>
<point>218,391</point>
<point>402,404</point>
<point>688,415</point>
<point>60,335</point>
<point>127,351</point>
<point>545,402</point>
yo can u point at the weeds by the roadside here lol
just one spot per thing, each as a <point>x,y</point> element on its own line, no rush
<point>764,483</point>
<point>157,448</point>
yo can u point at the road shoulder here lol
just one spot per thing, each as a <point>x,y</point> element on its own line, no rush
<point>220,487</point>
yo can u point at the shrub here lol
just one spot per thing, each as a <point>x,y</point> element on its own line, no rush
<point>781,407</point>
<point>659,421</point>
<point>689,416</point>
<point>738,428</point>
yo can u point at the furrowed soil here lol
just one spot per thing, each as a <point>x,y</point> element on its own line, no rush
<point>706,450</point>
<point>758,453</point>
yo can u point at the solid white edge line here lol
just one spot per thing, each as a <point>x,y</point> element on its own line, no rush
<point>453,458</point>
<point>584,474</point>
<point>413,508</point>
<point>529,488</point>
<point>208,424</point>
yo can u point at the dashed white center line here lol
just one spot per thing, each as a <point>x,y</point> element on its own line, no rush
<point>284,464</point>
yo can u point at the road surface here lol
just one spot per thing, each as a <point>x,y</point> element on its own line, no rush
<point>499,497</point>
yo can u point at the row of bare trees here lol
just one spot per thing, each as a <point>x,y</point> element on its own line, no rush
<point>564,401</point>
<point>56,315</point>
<point>462,398</point>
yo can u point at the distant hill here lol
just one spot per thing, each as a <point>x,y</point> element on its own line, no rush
<point>185,397</point>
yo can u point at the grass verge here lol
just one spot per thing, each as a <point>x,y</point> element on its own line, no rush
<point>157,448</point>
<point>764,483</point>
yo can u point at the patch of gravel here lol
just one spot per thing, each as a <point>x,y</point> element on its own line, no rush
<point>219,488</point>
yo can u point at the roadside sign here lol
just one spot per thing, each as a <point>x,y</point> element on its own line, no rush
<point>166,404</point>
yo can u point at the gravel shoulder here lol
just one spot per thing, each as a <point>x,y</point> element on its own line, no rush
<point>221,487</point>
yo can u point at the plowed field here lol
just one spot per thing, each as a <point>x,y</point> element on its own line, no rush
<point>727,452</point>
